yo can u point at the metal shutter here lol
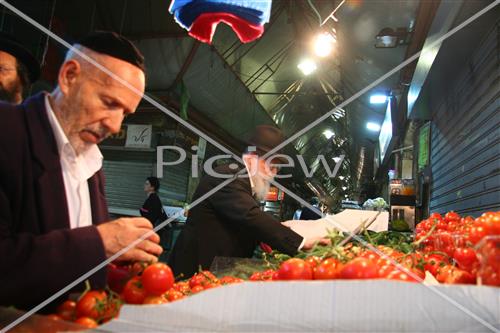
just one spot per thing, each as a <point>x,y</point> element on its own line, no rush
<point>465,144</point>
<point>125,173</point>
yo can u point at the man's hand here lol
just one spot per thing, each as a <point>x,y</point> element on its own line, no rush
<point>310,242</point>
<point>120,233</point>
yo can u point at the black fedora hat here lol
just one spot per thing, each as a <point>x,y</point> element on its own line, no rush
<point>10,45</point>
<point>264,139</point>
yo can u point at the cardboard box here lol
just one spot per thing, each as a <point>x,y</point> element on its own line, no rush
<point>315,306</point>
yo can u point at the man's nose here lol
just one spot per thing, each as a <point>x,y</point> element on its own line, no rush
<point>113,122</point>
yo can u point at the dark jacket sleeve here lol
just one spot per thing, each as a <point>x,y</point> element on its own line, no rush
<point>34,267</point>
<point>235,203</point>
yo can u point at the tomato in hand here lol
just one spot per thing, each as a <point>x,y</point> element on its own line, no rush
<point>295,269</point>
<point>133,292</point>
<point>157,279</point>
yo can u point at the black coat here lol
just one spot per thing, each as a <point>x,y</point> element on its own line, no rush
<point>152,209</point>
<point>229,223</point>
<point>39,253</point>
<point>309,214</point>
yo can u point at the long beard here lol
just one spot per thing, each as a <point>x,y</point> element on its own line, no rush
<point>261,186</point>
<point>7,96</point>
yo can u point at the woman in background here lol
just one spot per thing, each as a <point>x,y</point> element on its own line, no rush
<point>152,208</point>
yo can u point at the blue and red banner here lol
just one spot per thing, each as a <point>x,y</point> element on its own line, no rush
<point>201,17</point>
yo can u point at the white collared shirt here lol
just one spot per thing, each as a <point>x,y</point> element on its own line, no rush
<point>76,170</point>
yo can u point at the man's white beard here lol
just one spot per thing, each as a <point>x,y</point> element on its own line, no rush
<point>261,186</point>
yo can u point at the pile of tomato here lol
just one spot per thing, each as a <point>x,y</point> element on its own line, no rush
<point>138,283</point>
<point>454,249</point>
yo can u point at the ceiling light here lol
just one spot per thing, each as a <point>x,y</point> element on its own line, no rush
<point>323,44</point>
<point>386,38</point>
<point>373,126</point>
<point>328,134</point>
<point>341,177</point>
<point>378,99</point>
<point>307,66</point>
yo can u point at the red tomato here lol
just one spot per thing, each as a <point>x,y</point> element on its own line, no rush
<point>174,295</point>
<point>182,286</point>
<point>92,304</point>
<point>401,276</point>
<point>328,269</point>
<point>197,289</point>
<point>67,310</point>
<point>313,261</point>
<point>155,300</point>
<point>133,292</point>
<point>476,233</point>
<point>433,262</point>
<point>295,269</point>
<point>202,278</point>
<point>465,257</point>
<point>117,277</point>
<point>452,275</point>
<point>157,279</point>
<point>451,216</point>
<point>87,322</point>
<point>435,216</point>
<point>359,268</point>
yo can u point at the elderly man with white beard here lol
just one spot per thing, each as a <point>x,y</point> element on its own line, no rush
<point>230,223</point>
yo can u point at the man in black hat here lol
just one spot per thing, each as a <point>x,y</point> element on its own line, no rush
<point>54,223</point>
<point>230,222</point>
<point>18,70</point>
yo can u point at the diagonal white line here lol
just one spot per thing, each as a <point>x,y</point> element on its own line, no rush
<point>110,259</point>
<point>382,78</point>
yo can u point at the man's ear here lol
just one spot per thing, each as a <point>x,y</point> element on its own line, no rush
<point>68,75</point>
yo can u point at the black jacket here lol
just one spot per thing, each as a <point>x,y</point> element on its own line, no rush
<point>229,223</point>
<point>152,209</point>
<point>309,214</point>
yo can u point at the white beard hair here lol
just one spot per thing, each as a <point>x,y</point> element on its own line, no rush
<point>261,186</point>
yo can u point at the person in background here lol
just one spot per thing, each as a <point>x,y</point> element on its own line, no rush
<point>230,223</point>
<point>152,209</point>
<point>18,70</point>
<point>308,213</point>
<point>54,222</point>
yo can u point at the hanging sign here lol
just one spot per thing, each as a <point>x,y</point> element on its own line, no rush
<point>139,136</point>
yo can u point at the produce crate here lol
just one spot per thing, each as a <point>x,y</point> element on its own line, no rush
<point>314,306</point>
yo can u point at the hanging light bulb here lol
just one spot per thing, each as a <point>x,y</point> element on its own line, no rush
<point>323,44</point>
<point>307,66</point>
